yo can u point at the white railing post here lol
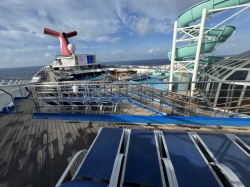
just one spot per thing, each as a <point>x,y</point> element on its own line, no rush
<point>9,82</point>
<point>198,50</point>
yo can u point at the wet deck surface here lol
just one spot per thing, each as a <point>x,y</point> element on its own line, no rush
<point>36,152</point>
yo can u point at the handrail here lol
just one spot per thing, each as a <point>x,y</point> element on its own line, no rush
<point>135,83</point>
<point>69,167</point>
<point>179,101</point>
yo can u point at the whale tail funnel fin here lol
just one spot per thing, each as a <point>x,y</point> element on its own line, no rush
<point>63,37</point>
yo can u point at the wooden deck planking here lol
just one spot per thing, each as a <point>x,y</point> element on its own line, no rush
<point>37,152</point>
<point>12,145</point>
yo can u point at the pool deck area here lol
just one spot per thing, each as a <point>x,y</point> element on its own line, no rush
<point>35,152</point>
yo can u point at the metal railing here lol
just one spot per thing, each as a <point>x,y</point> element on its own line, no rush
<point>222,99</point>
<point>13,81</point>
<point>10,94</point>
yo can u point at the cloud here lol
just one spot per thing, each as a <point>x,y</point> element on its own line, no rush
<point>147,16</point>
<point>107,39</point>
<point>143,26</point>
<point>47,54</point>
<point>102,26</point>
<point>137,53</point>
<point>53,47</point>
<point>155,51</point>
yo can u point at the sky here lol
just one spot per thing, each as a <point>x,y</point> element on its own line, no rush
<point>115,30</point>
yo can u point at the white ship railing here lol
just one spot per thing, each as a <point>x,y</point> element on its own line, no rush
<point>11,92</point>
<point>148,98</point>
<point>13,81</point>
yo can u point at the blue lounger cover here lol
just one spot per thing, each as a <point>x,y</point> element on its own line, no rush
<point>100,160</point>
<point>80,183</point>
<point>142,160</point>
<point>189,166</point>
<point>229,154</point>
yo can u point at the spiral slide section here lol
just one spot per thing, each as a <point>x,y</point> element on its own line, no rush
<point>220,34</point>
<point>194,13</point>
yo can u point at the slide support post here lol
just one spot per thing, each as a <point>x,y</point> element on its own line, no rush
<point>173,55</point>
<point>197,56</point>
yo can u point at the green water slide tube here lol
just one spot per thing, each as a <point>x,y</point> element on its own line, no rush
<point>208,60</point>
<point>222,33</point>
<point>190,50</point>
<point>211,60</point>
<point>194,13</point>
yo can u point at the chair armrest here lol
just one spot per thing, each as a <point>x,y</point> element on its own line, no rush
<point>229,174</point>
<point>116,170</point>
<point>69,167</point>
<point>170,172</point>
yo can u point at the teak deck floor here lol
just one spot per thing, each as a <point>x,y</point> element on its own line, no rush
<point>36,152</point>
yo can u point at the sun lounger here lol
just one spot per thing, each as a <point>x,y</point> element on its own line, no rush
<point>67,106</point>
<point>229,157</point>
<point>52,105</point>
<point>64,94</point>
<point>142,162</point>
<point>52,95</point>
<point>101,161</point>
<point>94,106</point>
<point>122,157</point>
<point>81,105</point>
<point>184,163</point>
<point>108,105</point>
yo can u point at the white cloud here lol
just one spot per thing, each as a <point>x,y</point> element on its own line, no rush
<point>53,47</point>
<point>47,54</point>
<point>137,53</point>
<point>114,40</point>
<point>109,22</point>
<point>102,39</point>
<point>143,26</point>
<point>154,50</point>
<point>146,16</point>
<point>107,39</point>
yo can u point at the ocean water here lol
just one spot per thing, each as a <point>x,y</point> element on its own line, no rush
<point>29,72</point>
<point>19,72</point>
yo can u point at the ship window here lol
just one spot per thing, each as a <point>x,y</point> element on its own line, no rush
<point>238,75</point>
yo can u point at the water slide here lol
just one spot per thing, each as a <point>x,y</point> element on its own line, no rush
<point>220,34</point>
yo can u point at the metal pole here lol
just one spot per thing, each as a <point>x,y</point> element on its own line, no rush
<point>197,56</point>
<point>173,55</point>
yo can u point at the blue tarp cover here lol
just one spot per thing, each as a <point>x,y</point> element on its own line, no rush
<point>146,119</point>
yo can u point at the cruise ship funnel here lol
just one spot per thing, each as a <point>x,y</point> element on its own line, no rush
<point>63,37</point>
